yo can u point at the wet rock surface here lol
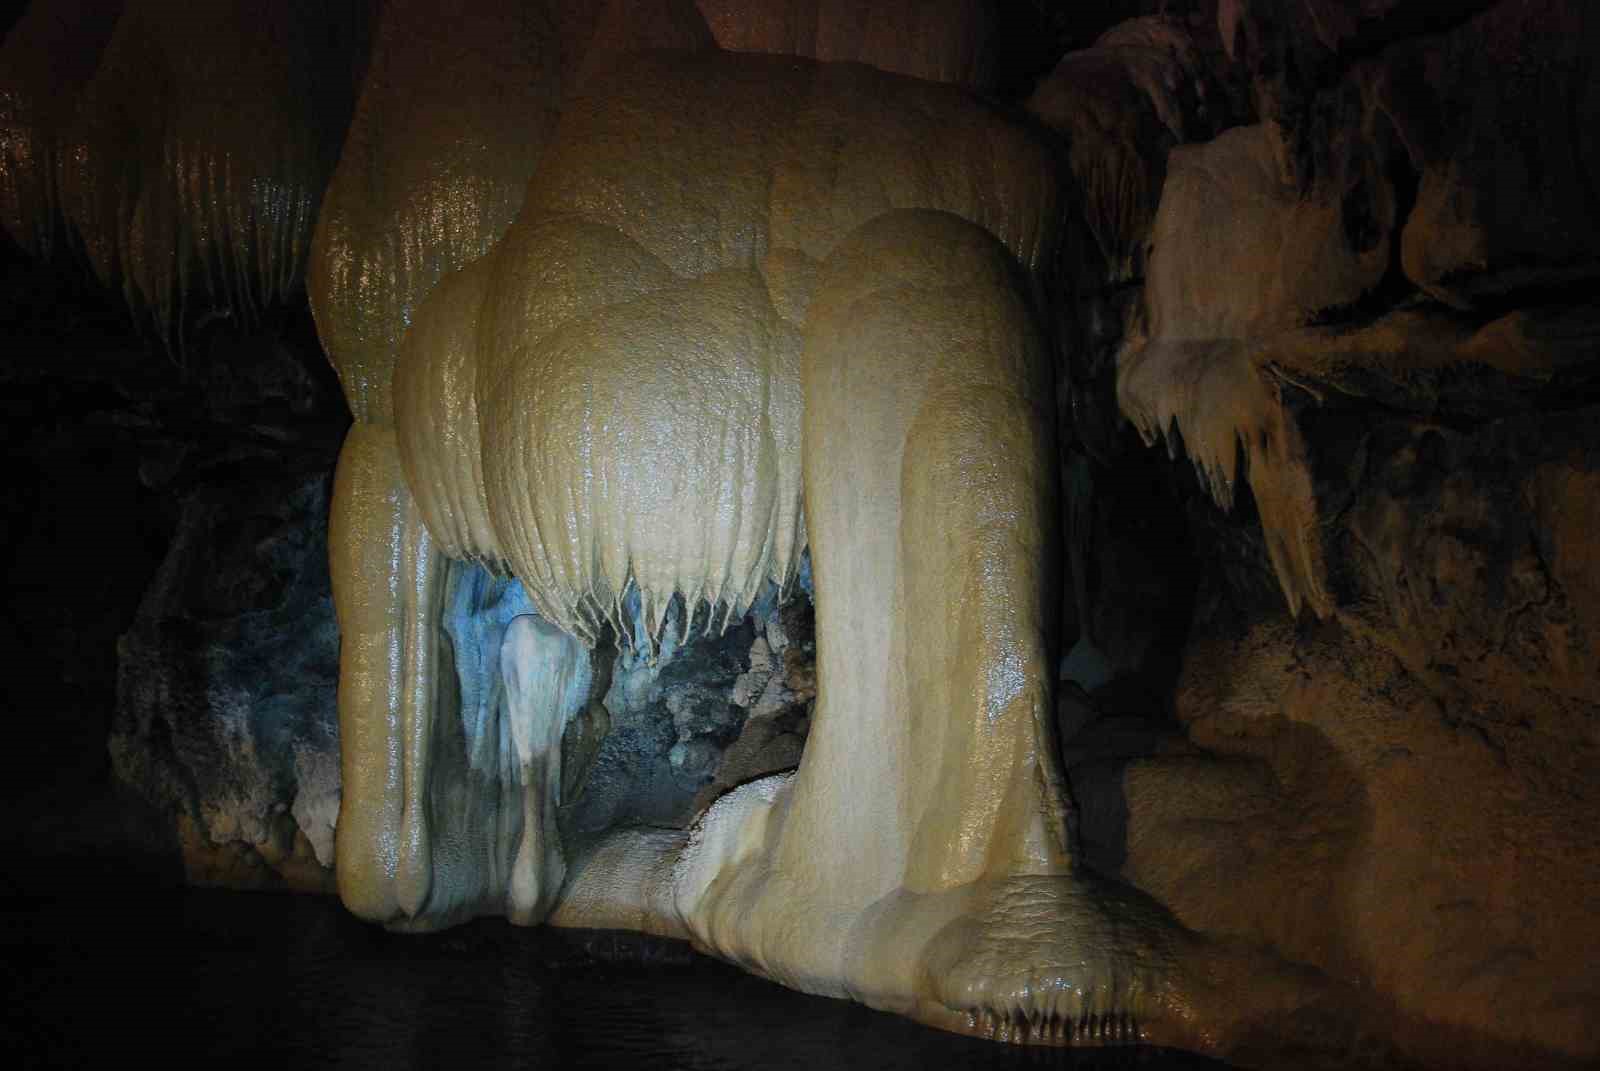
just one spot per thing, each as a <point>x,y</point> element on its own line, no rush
<point>226,712</point>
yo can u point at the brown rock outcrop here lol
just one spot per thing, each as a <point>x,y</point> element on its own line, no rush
<point>1396,267</point>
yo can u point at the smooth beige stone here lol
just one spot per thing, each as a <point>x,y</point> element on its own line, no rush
<point>384,573</point>
<point>753,304</point>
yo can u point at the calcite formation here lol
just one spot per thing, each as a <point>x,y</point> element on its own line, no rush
<point>731,278</point>
<point>719,260</point>
<point>190,162</point>
<point>650,316</point>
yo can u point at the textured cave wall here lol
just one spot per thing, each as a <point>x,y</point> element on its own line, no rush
<point>713,713</point>
<point>1362,320</point>
<point>180,150</point>
<point>226,677</point>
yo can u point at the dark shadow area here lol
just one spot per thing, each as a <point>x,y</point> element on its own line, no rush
<point>1135,576</point>
<point>119,454</point>
<point>80,539</point>
<point>213,979</point>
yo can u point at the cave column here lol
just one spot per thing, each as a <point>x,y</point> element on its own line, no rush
<point>388,586</point>
<point>930,507</point>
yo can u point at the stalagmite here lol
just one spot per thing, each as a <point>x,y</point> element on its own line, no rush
<point>546,673</point>
<point>385,574</point>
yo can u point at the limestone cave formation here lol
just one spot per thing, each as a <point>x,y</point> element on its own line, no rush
<point>1072,523</point>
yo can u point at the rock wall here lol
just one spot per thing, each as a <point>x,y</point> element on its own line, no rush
<point>227,676</point>
<point>169,582</point>
<point>1364,327</point>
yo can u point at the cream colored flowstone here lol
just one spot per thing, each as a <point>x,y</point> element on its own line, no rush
<point>918,860</point>
<point>385,583</point>
<point>731,278</point>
